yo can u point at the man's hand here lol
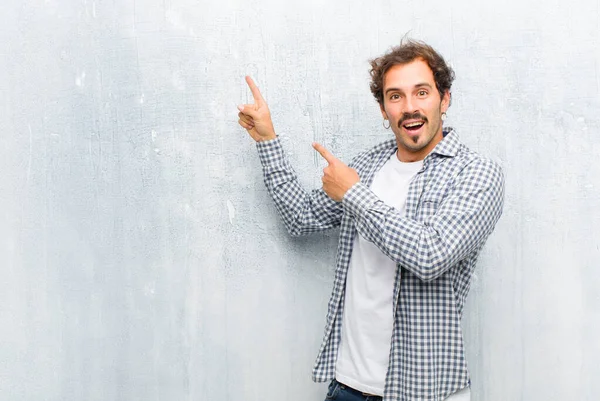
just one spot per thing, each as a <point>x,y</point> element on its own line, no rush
<point>256,118</point>
<point>337,177</point>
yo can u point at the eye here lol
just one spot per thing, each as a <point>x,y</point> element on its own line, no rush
<point>422,93</point>
<point>394,96</point>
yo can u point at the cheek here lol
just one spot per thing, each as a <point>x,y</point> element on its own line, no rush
<point>432,109</point>
<point>393,113</point>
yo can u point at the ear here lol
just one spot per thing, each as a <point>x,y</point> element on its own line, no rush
<point>446,101</point>
<point>383,113</point>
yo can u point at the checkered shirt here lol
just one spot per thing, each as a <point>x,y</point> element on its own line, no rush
<point>453,204</point>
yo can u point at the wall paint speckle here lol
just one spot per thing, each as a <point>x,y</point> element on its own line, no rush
<point>141,256</point>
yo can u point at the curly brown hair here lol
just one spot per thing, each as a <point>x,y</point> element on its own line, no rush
<point>408,51</point>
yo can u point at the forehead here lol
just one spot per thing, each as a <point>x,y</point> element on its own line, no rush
<point>406,76</point>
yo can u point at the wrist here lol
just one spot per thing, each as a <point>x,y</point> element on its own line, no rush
<point>266,138</point>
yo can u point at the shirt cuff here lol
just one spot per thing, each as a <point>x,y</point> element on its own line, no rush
<point>270,151</point>
<point>359,199</point>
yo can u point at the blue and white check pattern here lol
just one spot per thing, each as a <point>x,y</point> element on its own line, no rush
<point>453,204</point>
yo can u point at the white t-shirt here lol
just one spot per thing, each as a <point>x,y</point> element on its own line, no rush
<point>363,357</point>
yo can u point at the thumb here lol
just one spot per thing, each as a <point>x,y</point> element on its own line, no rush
<point>248,109</point>
<point>331,159</point>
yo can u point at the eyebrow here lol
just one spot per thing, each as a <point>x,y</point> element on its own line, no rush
<point>419,85</point>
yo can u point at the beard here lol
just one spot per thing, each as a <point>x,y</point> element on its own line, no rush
<point>417,142</point>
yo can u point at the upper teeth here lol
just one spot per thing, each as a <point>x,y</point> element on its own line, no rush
<point>413,124</point>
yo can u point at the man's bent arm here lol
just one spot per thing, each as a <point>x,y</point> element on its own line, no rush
<point>462,223</point>
<point>302,212</point>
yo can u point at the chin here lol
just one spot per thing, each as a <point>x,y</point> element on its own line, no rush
<point>413,146</point>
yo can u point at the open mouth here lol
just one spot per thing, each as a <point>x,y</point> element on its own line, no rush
<point>413,125</point>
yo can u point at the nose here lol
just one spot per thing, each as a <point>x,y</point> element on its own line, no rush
<point>410,105</point>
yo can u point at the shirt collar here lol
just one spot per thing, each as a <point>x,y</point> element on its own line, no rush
<point>449,145</point>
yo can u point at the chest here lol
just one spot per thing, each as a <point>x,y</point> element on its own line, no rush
<point>418,194</point>
<point>392,181</point>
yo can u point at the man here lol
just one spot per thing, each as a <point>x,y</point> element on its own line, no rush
<point>414,213</point>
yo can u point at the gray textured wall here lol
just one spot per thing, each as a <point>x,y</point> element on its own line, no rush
<point>140,256</point>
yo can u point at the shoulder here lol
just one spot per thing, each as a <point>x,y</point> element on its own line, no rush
<point>465,160</point>
<point>475,167</point>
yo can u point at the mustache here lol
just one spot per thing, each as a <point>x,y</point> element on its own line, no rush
<point>413,116</point>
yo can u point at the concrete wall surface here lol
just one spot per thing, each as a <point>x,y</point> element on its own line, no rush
<point>141,257</point>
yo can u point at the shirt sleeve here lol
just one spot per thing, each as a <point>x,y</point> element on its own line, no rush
<point>302,212</point>
<point>463,221</point>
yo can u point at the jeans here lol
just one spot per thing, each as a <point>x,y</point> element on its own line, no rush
<point>340,392</point>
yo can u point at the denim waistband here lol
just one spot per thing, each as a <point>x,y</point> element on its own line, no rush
<point>365,396</point>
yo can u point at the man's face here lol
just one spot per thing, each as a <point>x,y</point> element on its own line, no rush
<point>412,104</point>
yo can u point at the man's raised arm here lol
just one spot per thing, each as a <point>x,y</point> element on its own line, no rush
<point>302,212</point>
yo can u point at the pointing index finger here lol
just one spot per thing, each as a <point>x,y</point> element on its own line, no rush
<point>255,91</point>
<point>325,153</point>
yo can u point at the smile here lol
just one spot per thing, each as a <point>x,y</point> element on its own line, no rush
<point>413,125</point>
